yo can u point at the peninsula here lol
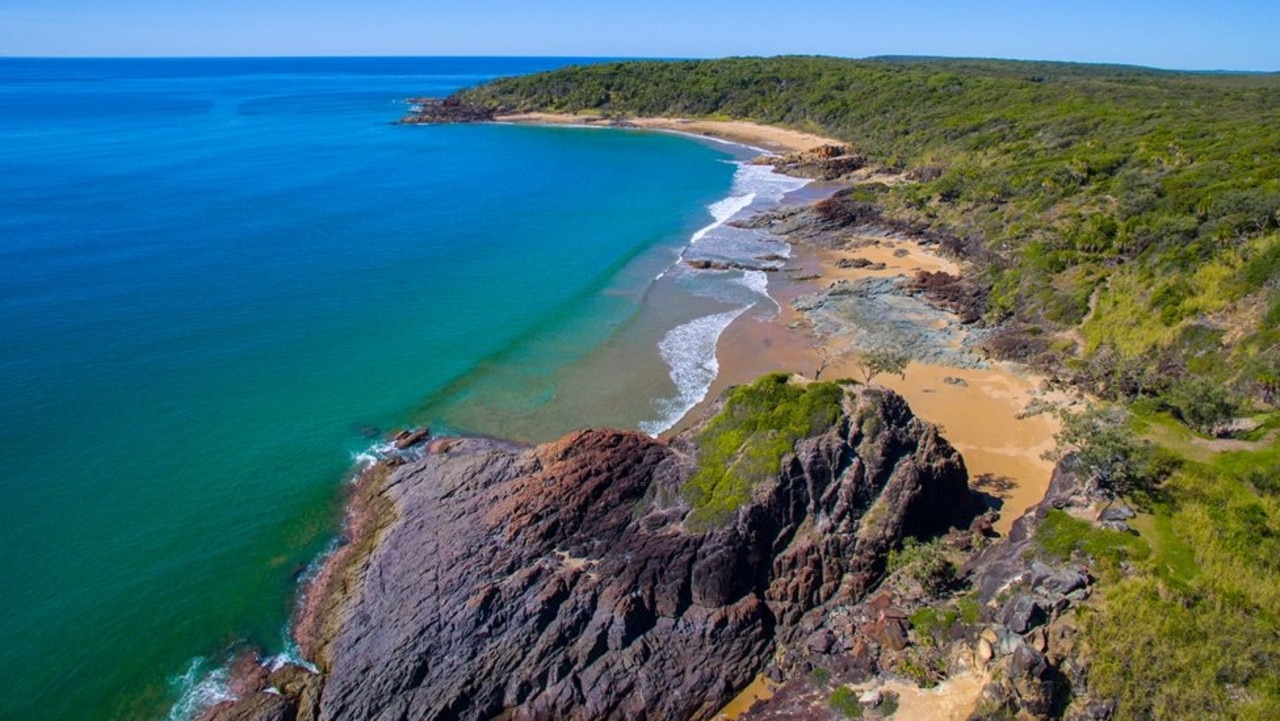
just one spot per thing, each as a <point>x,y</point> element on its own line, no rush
<point>1109,237</point>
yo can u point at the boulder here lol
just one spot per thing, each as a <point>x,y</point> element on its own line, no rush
<point>1022,613</point>
<point>409,438</point>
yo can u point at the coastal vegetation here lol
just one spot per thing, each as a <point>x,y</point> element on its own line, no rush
<point>1123,228</point>
<point>744,443</point>
<point>1136,208</point>
<point>1188,622</point>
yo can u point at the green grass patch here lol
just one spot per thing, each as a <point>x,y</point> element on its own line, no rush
<point>932,625</point>
<point>1161,428</point>
<point>1062,537</point>
<point>1246,464</point>
<point>1171,556</point>
<point>845,702</point>
<point>970,610</point>
<point>745,443</point>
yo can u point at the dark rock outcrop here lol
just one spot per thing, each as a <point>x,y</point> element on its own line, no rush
<point>831,222</point>
<point>409,438</point>
<point>445,110</point>
<point>706,264</point>
<point>962,297</point>
<point>560,582</point>
<point>1024,642</point>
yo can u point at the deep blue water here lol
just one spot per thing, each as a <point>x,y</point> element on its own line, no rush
<point>218,276</point>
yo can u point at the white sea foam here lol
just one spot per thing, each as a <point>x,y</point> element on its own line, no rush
<point>722,211</point>
<point>378,451</point>
<point>290,655</point>
<point>763,182</point>
<point>370,456</point>
<point>200,689</point>
<point>757,281</point>
<point>690,352</point>
<point>202,686</point>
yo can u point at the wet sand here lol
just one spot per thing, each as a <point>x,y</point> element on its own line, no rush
<point>780,140</point>
<point>761,689</point>
<point>978,409</point>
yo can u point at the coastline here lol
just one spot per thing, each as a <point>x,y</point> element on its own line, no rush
<point>1003,452</point>
<point>738,132</point>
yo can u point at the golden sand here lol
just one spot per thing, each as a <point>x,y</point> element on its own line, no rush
<point>760,689</point>
<point>766,137</point>
<point>979,410</point>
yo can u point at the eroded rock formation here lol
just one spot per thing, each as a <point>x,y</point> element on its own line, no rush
<point>560,582</point>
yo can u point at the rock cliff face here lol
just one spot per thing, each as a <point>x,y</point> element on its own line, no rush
<point>1021,640</point>
<point>560,583</point>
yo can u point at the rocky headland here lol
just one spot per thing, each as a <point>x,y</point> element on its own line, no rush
<point>568,581</point>
<point>584,578</point>
<point>445,110</point>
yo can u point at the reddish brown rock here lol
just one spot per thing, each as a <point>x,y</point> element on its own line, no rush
<point>825,162</point>
<point>560,583</point>
<point>410,438</point>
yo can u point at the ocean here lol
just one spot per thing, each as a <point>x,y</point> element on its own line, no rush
<point>223,280</point>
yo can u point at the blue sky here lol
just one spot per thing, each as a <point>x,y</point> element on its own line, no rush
<point>1232,35</point>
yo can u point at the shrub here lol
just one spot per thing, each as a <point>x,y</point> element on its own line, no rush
<point>1106,449</point>
<point>1201,403</point>
<point>820,677</point>
<point>925,563</point>
<point>744,444</point>
<point>845,702</point>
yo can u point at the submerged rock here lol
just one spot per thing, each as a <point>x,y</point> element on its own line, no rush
<point>561,582</point>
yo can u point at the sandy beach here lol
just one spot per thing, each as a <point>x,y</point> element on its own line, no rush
<point>979,409</point>
<point>766,137</point>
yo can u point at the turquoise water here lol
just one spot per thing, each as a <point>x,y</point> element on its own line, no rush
<point>219,278</point>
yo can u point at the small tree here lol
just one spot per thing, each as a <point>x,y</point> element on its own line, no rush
<point>883,360</point>
<point>827,354</point>
<point>1106,448</point>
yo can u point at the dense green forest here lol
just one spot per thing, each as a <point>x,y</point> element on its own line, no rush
<point>1125,226</point>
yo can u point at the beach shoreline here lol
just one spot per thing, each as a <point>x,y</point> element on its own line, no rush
<point>1004,452</point>
<point>739,132</point>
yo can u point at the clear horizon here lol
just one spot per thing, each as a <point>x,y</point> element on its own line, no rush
<point>1174,35</point>
<point>630,57</point>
